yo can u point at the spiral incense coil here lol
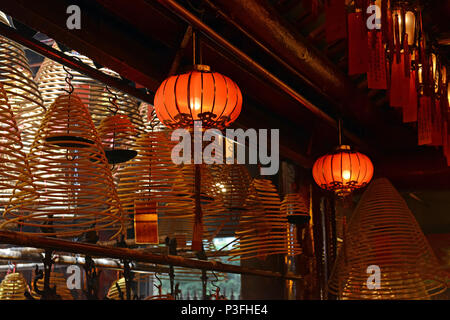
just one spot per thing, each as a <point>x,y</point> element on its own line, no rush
<point>297,214</point>
<point>263,228</point>
<point>234,183</point>
<point>56,279</point>
<point>16,183</point>
<point>384,233</point>
<point>72,177</point>
<point>51,79</point>
<point>113,292</point>
<point>117,135</point>
<point>13,287</point>
<point>21,90</point>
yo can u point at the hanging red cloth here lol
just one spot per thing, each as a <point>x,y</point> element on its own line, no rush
<point>436,117</point>
<point>335,20</point>
<point>399,85</point>
<point>376,73</point>
<point>424,121</point>
<point>357,44</point>
<point>410,104</point>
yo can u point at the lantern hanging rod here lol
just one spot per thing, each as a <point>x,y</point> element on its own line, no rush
<point>31,254</point>
<point>21,239</point>
<point>196,23</point>
<point>65,60</point>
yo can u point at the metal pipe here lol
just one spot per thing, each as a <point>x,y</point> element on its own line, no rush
<point>23,239</point>
<point>32,254</point>
<point>72,63</point>
<point>249,62</point>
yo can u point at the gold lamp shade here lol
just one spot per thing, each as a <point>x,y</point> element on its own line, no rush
<point>263,227</point>
<point>57,280</point>
<point>72,177</point>
<point>16,183</point>
<point>21,90</point>
<point>51,81</point>
<point>384,233</point>
<point>13,287</point>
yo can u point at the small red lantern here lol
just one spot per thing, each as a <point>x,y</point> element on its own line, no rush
<point>199,94</point>
<point>343,170</point>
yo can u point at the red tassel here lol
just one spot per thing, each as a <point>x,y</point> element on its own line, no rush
<point>424,121</point>
<point>410,105</point>
<point>376,73</point>
<point>335,20</point>
<point>357,44</point>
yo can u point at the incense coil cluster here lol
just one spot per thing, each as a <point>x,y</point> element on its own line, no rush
<point>13,287</point>
<point>384,233</point>
<point>72,178</point>
<point>294,208</point>
<point>263,228</point>
<point>16,183</point>
<point>193,275</point>
<point>58,281</point>
<point>21,90</point>
<point>51,79</point>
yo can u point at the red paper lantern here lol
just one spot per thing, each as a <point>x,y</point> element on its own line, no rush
<point>343,170</point>
<point>198,95</point>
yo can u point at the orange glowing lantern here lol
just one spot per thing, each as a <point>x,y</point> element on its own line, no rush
<point>343,170</point>
<point>201,95</point>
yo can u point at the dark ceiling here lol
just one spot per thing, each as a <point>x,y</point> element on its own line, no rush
<point>141,40</point>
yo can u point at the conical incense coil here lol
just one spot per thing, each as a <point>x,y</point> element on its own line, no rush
<point>22,92</point>
<point>114,293</point>
<point>297,214</point>
<point>16,183</point>
<point>13,287</point>
<point>72,177</point>
<point>51,79</point>
<point>117,135</point>
<point>57,280</point>
<point>263,228</point>
<point>383,234</point>
<point>150,176</point>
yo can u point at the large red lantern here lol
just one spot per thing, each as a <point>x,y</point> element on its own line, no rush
<point>199,94</point>
<point>343,170</point>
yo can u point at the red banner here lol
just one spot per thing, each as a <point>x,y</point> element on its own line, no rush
<point>437,123</point>
<point>410,105</point>
<point>399,90</point>
<point>357,44</point>
<point>376,73</point>
<point>424,121</point>
<point>335,20</point>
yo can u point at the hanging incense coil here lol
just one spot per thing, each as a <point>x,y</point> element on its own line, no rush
<point>21,90</point>
<point>117,135</point>
<point>383,232</point>
<point>192,275</point>
<point>263,228</point>
<point>57,280</point>
<point>13,287</point>
<point>16,183</point>
<point>297,214</point>
<point>114,293</point>
<point>72,177</point>
<point>51,80</point>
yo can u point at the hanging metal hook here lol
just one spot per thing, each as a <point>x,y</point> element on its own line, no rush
<point>113,101</point>
<point>68,80</point>
<point>158,286</point>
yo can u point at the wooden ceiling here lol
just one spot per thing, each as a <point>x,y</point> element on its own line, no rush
<point>141,40</point>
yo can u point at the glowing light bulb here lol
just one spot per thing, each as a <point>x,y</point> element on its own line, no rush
<point>346,175</point>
